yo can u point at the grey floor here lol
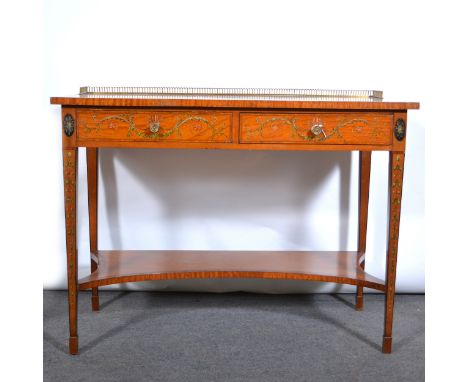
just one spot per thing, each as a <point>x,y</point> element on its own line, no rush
<point>145,336</point>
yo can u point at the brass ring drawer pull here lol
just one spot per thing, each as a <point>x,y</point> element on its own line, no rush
<point>154,127</point>
<point>317,129</point>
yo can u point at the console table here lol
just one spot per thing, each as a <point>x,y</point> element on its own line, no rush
<point>234,119</point>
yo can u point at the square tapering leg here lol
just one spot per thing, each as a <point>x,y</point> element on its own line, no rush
<point>364,181</point>
<point>397,160</point>
<point>70,166</point>
<point>92,172</point>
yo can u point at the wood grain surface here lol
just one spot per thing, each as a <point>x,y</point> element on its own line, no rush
<point>92,163</point>
<point>395,185</point>
<point>364,184</point>
<point>154,125</point>
<point>337,128</point>
<point>126,266</point>
<point>70,172</point>
<point>235,124</point>
<point>240,104</point>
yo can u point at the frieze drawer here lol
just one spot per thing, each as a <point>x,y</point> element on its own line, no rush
<point>317,128</point>
<point>133,125</point>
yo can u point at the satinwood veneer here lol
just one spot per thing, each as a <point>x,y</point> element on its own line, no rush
<point>204,119</point>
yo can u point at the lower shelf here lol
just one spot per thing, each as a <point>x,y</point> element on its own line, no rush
<point>129,266</point>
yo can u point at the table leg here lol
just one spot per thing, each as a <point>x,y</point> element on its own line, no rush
<point>397,160</point>
<point>364,180</point>
<point>70,166</point>
<point>92,171</point>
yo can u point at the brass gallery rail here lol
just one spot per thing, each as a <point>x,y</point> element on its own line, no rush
<point>238,119</point>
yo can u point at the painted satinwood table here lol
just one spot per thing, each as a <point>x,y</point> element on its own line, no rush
<point>234,119</point>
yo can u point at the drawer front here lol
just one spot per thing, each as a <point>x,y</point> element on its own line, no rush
<point>132,125</point>
<point>317,128</point>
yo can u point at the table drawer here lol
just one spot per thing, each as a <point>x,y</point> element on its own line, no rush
<point>317,128</point>
<point>133,125</point>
